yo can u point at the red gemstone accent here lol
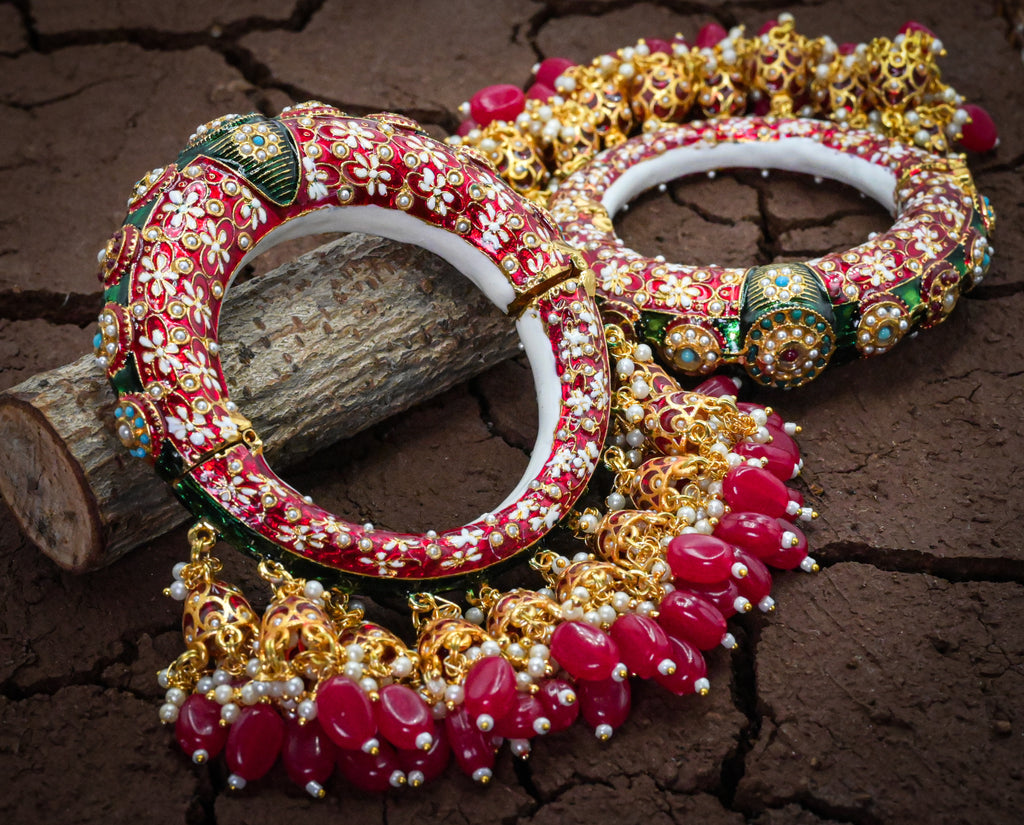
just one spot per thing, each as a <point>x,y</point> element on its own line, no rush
<point>490,688</point>
<point>526,720</point>
<point>402,716</point>
<point>198,727</point>
<point>914,26</point>
<point>716,386</point>
<point>429,764</point>
<point>847,48</point>
<point>709,36</point>
<point>551,68</point>
<point>695,557</point>
<point>308,754</point>
<point>501,102</point>
<point>467,126</point>
<point>561,705</point>
<point>755,532</point>
<point>753,488</point>
<point>790,354</point>
<point>604,702</point>
<point>691,618</point>
<point>758,582</point>
<point>584,651</point>
<point>767,27</point>
<point>788,558</point>
<point>346,713</point>
<point>540,91</point>
<point>778,462</point>
<point>642,642</point>
<point>979,133</point>
<point>722,595</point>
<point>690,666</point>
<point>657,45</point>
<point>254,741</point>
<point>472,748</point>
<point>374,772</point>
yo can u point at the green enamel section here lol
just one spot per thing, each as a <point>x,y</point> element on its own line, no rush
<point>169,464</point>
<point>118,293</point>
<point>652,326</point>
<point>127,378</point>
<point>277,177</point>
<point>139,217</point>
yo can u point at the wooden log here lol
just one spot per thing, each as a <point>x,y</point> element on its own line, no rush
<point>315,351</point>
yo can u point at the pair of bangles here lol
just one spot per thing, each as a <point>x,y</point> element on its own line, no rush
<point>694,509</point>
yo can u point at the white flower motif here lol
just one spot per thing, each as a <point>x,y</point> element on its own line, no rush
<point>385,566</point>
<point>460,558</point>
<point>434,185</point>
<point>193,297</point>
<point>160,351</point>
<point>157,273</point>
<point>547,519</point>
<point>573,341</point>
<point>427,152</point>
<point>467,536</point>
<point>615,280</point>
<point>252,210</point>
<point>217,252</point>
<point>494,235</point>
<point>579,402</point>
<point>678,291</point>
<point>301,535</point>
<point>369,172</point>
<point>199,366</point>
<point>353,135</point>
<point>182,209</point>
<point>192,427</point>
<point>315,178</point>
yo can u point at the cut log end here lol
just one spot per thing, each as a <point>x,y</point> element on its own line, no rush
<point>46,490</point>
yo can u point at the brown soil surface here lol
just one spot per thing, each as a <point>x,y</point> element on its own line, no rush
<point>887,689</point>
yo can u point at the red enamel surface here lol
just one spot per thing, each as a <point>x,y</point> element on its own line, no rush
<point>690,666</point>
<point>642,642</point>
<point>198,726</point>
<point>373,772</point>
<point>604,702</point>
<point>754,488</point>
<point>345,712</point>
<point>490,688</point>
<point>584,651</point>
<point>308,753</point>
<point>561,705</point>
<point>402,716</point>
<point>694,619</point>
<point>254,742</point>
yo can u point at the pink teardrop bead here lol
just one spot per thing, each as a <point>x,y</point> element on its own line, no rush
<point>308,754</point>
<point>756,533</point>
<point>490,688</point>
<point>374,772</point>
<point>777,462</point>
<point>658,46</point>
<point>254,742</point>
<point>403,718</point>
<point>561,705</point>
<point>584,651</point>
<point>500,102</point>
<point>695,557</point>
<point>198,729</point>
<point>551,68</point>
<point>467,126</point>
<point>757,584</point>
<point>709,36</point>
<point>425,766</point>
<point>767,27</point>
<point>688,617</point>
<point>914,26</point>
<point>526,720</point>
<point>723,595</point>
<point>792,550</point>
<point>471,748</point>
<point>345,713</point>
<point>754,488</point>
<point>642,642</point>
<point>604,702</point>
<point>979,133</point>
<point>717,386</point>
<point>691,669</point>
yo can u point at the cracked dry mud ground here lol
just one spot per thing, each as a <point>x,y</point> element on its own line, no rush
<point>889,688</point>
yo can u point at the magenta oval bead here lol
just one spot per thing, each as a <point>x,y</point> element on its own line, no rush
<point>690,666</point>
<point>776,461</point>
<point>526,720</point>
<point>584,651</point>
<point>402,716</point>
<point>198,727</point>
<point>758,582</point>
<point>688,617</point>
<point>696,557</point>
<point>790,556</point>
<point>979,132</point>
<point>466,126</point>
<point>471,747</point>
<point>767,26</point>
<point>254,742</point>
<point>709,36</point>
<point>490,688</point>
<point>375,772</point>
<point>500,102</point>
<point>561,704</point>
<point>604,702</point>
<point>345,713</point>
<point>429,763</point>
<point>540,91</point>
<point>774,419</point>
<point>658,46</point>
<point>308,753</point>
<point>914,26</point>
<point>754,488</point>
<point>642,642</point>
<point>722,595</point>
<point>551,68</point>
<point>781,440</point>
<point>756,533</point>
<point>717,386</point>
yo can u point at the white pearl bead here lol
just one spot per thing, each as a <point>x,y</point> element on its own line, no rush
<point>615,501</point>
<point>607,613</point>
<point>222,694</point>
<point>175,696</point>
<point>313,589</point>
<point>643,353</point>
<point>368,684</point>
<point>475,615</point>
<point>176,570</point>
<point>354,653</point>
<point>178,591</point>
<point>354,670</point>
<point>454,694</point>
<point>248,694</point>
<point>295,686</point>
<point>620,601</point>
<point>490,648</point>
<point>536,668</point>
<point>168,713</point>
<point>229,713</point>
<point>401,667</point>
